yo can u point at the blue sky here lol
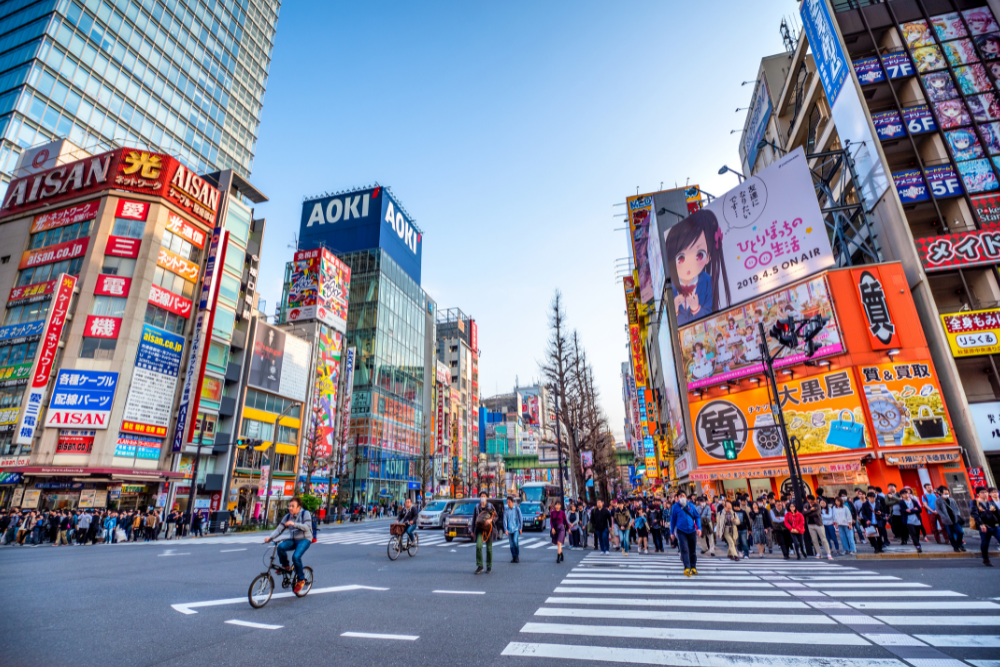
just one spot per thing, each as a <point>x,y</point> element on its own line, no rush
<point>509,131</point>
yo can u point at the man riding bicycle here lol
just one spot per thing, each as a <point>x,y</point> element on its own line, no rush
<point>408,516</point>
<point>298,523</point>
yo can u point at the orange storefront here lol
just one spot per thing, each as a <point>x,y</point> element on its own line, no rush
<point>865,409</point>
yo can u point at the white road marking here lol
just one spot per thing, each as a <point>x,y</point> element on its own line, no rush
<point>975,641</point>
<point>656,577</point>
<point>893,639</point>
<point>940,620</point>
<point>372,635</point>
<point>938,606</point>
<point>538,544</point>
<point>682,581</point>
<point>684,658</point>
<point>752,636</point>
<point>170,552</point>
<point>985,663</point>
<point>851,577</point>
<point>188,607</point>
<point>249,624</point>
<point>646,591</point>
<point>636,602</point>
<point>229,551</point>
<point>461,592</point>
<point>635,614</point>
<point>857,585</point>
<point>894,594</point>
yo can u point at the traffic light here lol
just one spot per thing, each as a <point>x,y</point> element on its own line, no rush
<point>784,332</point>
<point>812,327</point>
<point>729,447</point>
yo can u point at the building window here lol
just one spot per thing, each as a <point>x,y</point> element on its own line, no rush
<point>164,319</point>
<point>270,403</point>
<point>29,312</point>
<point>98,348</point>
<point>173,282</point>
<point>13,355</point>
<point>179,246</point>
<point>118,266</point>
<point>132,229</point>
<point>110,306</point>
<point>218,355</point>
<point>60,234</point>
<point>814,118</point>
<point>45,272</point>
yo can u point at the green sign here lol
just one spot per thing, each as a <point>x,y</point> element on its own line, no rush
<point>15,374</point>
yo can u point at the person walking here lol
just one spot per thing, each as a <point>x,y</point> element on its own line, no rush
<point>573,519</point>
<point>726,528</point>
<point>826,514</point>
<point>585,526</point>
<point>557,528</point>
<point>951,518</point>
<point>513,524</point>
<point>843,522</point>
<point>623,524</point>
<point>685,528</point>
<point>814,522</point>
<point>757,515</point>
<point>706,514</point>
<point>742,529</point>
<point>929,500</point>
<point>909,511</point>
<point>872,516</point>
<point>656,527</point>
<point>601,520</point>
<point>986,514</point>
<point>642,531</point>
<point>896,522</point>
<point>796,525</point>
<point>484,519</point>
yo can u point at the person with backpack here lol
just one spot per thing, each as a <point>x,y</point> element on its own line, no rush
<point>909,512</point>
<point>513,524</point>
<point>685,527</point>
<point>706,514</point>
<point>986,514</point>
<point>623,524</point>
<point>484,520</point>
<point>642,531</point>
<point>297,524</point>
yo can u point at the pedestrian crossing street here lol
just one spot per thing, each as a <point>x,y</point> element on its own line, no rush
<point>643,610</point>
<point>368,537</point>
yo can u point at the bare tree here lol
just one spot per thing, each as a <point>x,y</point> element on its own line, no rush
<point>557,367</point>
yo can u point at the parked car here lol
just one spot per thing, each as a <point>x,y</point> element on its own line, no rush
<point>534,517</point>
<point>459,522</point>
<point>434,514</point>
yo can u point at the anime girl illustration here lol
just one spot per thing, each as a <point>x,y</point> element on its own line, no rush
<point>939,86</point>
<point>960,52</point>
<point>697,267</point>
<point>700,367</point>
<point>978,176</point>
<point>973,79</point>
<point>989,45</point>
<point>984,107</point>
<point>980,20</point>
<point>964,144</point>
<point>994,70</point>
<point>916,33</point>
<point>928,59</point>
<point>991,135</point>
<point>948,26</point>
<point>951,113</point>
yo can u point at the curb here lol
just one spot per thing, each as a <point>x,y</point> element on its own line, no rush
<point>914,555</point>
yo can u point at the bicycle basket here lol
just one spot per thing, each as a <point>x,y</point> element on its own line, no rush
<point>397,528</point>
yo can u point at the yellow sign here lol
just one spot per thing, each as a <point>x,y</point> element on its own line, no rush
<point>973,333</point>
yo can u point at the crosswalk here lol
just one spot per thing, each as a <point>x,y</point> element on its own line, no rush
<point>643,610</point>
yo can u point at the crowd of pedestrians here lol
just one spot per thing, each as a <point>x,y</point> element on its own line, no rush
<point>93,526</point>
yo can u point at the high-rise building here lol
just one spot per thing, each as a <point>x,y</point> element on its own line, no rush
<point>390,322</point>
<point>457,348</point>
<point>185,78</point>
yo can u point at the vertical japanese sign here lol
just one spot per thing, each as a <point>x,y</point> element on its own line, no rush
<point>878,319</point>
<point>202,329</point>
<point>345,408</point>
<point>44,359</point>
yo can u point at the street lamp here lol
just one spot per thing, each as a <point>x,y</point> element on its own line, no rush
<point>775,147</point>
<point>726,168</point>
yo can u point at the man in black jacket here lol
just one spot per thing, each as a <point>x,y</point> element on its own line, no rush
<point>486,531</point>
<point>601,518</point>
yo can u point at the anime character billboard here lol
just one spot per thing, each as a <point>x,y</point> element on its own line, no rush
<point>763,234</point>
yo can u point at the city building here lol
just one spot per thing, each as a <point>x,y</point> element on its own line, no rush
<point>391,324</point>
<point>130,283</point>
<point>926,133</point>
<point>456,347</point>
<point>181,78</point>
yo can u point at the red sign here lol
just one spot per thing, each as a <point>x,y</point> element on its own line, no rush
<point>132,210</point>
<point>120,246</point>
<point>177,264</point>
<point>474,337</point>
<point>50,341</point>
<point>947,251</point>
<point>175,303</point>
<point>179,226</point>
<point>54,253</point>
<point>29,291</point>
<point>112,285</point>
<point>102,326</point>
<point>66,216</point>
<point>74,444</point>
<point>144,429</point>
<point>129,169</point>
<point>987,208</point>
<point>216,501</point>
<point>977,479</point>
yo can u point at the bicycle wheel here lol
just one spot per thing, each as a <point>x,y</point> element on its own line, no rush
<point>308,571</point>
<point>260,590</point>
<point>393,548</point>
<point>411,548</point>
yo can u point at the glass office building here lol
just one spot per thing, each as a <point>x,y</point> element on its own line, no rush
<point>389,320</point>
<point>183,77</point>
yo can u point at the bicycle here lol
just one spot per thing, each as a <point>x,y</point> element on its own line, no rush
<point>261,588</point>
<point>400,541</point>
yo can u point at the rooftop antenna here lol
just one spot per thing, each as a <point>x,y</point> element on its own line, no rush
<point>788,36</point>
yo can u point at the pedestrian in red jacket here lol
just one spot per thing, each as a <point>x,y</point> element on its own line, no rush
<point>795,522</point>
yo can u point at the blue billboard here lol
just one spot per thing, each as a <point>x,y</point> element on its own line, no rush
<point>362,220</point>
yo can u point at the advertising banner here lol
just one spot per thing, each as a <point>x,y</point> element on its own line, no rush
<point>120,246</point>
<point>870,283</point>
<point>30,293</point>
<point>328,355</point>
<point>14,334</point>
<point>848,113</point>
<point>965,249</point>
<point>919,119</point>
<point>763,234</point>
<point>112,285</point>
<point>973,333</point>
<point>898,65</point>
<point>727,346</point>
<point>82,398</point>
<point>157,364</point>
<point>346,403</point>
<point>944,181</point>
<point>132,210</point>
<point>177,265</point>
<point>905,405</point>
<point>756,123</point>
<point>823,411</point>
<point>319,289</point>
<point>66,216</point>
<point>138,446</point>
<point>54,253</point>
<point>75,442</point>
<point>177,225</point>
<point>986,417</point>
<point>167,300</point>
<point>100,326</point>
<point>868,71</point>
<point>45,357</point>
<point>987,209</point>
<point>15,375</point>
<point>279,363</point>
<point>671,389</point>
<point>910,186</point>
<point>640,217</point>
<point>888,125</point>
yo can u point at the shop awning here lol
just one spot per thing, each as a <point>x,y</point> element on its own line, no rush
<point>117,473</point>
<point>845,462</point>
<point>921,456</point>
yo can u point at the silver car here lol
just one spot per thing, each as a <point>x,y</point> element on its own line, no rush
<point>434,514</point>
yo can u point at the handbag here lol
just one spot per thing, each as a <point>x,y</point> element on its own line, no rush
<point>927,426</point>
<point>870,531</point>
<point>846,434</point>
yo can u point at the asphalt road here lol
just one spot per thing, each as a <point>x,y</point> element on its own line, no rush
<point>125,605</point>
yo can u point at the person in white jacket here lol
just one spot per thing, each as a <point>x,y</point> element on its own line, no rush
<point>844,521</point>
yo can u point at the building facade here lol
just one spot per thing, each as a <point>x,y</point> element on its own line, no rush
<point>456,348</point>
<point>182,78</point>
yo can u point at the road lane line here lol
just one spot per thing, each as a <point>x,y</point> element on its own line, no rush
<point>637,614</point>
<point>646,591</point>
<point>461,592</point>
<point>249,624</point>
<point>683,634</point>
<point>683,581</point>
<point>229,551</point>
<point>188,607</point>
<point>938,606</point>
<point>372,635</point>
<point>970,641</point>
<point>894,594</point>
<point>940,620</point>
<point>636,602</point>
